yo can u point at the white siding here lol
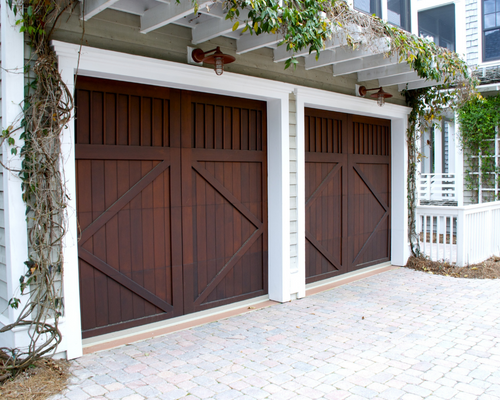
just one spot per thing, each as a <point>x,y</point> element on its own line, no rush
<point>293,187</point>
<point>472,8</point>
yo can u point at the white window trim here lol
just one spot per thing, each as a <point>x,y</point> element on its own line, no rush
<point>460,20</point>
<point>480,62</point>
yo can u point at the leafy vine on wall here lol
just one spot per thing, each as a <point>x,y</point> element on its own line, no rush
<point>46,111</point>
<point>479,120</point>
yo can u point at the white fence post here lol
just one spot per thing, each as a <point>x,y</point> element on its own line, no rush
<point>461,253</point>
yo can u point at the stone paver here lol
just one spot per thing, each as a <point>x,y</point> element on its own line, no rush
<point>401,334</point>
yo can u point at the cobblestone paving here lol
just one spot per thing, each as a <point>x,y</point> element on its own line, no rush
<point>401,334</point>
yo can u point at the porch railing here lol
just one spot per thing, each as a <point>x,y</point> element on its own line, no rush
<point>437,187</point>
<point>461,235</point>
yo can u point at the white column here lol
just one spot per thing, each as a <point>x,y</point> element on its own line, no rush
<point>301,196</point>
<point>71,328</point>
<point>452,142</point>
<point>438,150</point>
<point>278,199</point>
<point>400,250</point>
<point>459,165</point>
<point>16,240</point>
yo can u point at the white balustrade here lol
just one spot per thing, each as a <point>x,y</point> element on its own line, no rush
<point>461,235</point>
<point>437,187</point>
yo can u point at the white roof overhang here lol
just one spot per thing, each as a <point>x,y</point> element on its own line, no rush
<point>369,62</point>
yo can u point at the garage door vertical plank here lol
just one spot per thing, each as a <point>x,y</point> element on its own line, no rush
<point>135,121</point>
<point>97,119</point>
<point>157,120</point>
<point>237,218</point>
<point>220,223</point>
<point>112,256</point>
<point>99,246</point>
<point>255,251</point>
<point>264,213</point>
<point>147,232</point>
<point>229,221</point>
<point>209,126</point>
<point>211,231</point>
<point>228,124</point>
<point>246,229</point>
<point>125,240</point>
<point>122,120</point>
<point>199,125</point>
<point>84,206</point>
<point>244,126</point>
<point>161,232</point>
<point>201,232</point>
<point>236,129</point>
<point>136,242</point>
<point>82,134</point>
<point>146,121</point>
<point>110,119</point>
<point>175,214</point>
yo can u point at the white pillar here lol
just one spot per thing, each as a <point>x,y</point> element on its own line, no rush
<point>438,150</point>
<point>301,196</point>
<point>71,323</point>
<point>16,240</point>
<point>459,165</point>
<point>278,159</point>
<point>400,250</point>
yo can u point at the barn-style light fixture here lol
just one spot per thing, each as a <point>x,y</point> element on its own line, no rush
<point>380,95</point>
<point>218,59</point>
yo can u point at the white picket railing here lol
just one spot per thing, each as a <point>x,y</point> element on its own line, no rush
<point>461,235</point>
<point>437,187</point>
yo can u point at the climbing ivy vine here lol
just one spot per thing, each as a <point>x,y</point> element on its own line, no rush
<point>46,111</point>
<point>479,120</point>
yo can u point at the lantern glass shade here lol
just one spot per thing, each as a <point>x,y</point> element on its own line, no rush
<point>219,65</point>
<point>381,96</point>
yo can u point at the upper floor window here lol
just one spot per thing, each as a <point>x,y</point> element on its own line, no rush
<point>369,6</point>
<point>438,26</point>
<point>491,30</point>
<point>398,13</point>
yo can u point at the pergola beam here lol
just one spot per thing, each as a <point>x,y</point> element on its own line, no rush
<point>363,64</point>
<point>282,54</point>
<point>418,85</point>
<point>165,14</point>
<point>399,79</point>
<point>94,7</point>
<point>249,42</point>
<point>383,72</point>
<point>214,28</point>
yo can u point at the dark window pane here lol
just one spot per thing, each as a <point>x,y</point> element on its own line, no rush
<point>438,25</point>
<point>492,45</point>
<point>369,6</point>
<point>398,13</point>
<point>489,6</point>
<point>362,5</point>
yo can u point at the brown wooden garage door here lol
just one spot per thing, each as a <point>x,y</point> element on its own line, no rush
<point>347,192</point>
<point>171,202</point>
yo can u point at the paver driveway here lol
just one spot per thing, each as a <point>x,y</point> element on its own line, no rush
<point>399,334</point>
